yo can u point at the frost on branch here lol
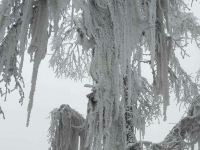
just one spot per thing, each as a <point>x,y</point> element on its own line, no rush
<point>67,129</point>
<point>184,135</point>
<point>65,122</point>
<point>18,19</point>
<point>28,25</point>
<point>69,59</point>
<point>116,37</point>
<point>9,67</point>
<point>124,33</point>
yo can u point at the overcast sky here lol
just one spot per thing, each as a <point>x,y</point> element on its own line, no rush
<point>51,93</point>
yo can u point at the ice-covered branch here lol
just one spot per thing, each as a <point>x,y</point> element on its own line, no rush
<point>183,135</point>
<point>67,129</point>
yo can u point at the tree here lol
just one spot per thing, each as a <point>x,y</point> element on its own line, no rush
<point>116,37</point>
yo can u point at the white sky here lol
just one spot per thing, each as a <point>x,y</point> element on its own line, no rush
<point>51,93</point>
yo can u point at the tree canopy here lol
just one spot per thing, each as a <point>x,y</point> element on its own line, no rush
<point>108,41</point>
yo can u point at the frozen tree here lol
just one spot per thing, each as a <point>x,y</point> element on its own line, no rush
<point>110,41</point>
<point>66,129</point>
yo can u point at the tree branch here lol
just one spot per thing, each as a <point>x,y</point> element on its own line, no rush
<point>188,128</point>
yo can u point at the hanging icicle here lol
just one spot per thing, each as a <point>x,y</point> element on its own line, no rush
<point>23,36</point>
<point>38,45</point>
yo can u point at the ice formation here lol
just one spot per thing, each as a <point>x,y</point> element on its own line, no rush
<point>115,38</point>
<point>67,129</point>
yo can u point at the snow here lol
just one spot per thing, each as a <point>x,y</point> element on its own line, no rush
<point>114,33</point>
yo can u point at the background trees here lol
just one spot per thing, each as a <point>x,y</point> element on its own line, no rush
<point>116,38</point>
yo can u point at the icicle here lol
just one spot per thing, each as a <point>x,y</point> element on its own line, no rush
<point>33,86</point>
<point>152,23</point>
<point>26,18</point>
<point>38,46</point>
<point>164,74</point>
<point>39,29</point>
